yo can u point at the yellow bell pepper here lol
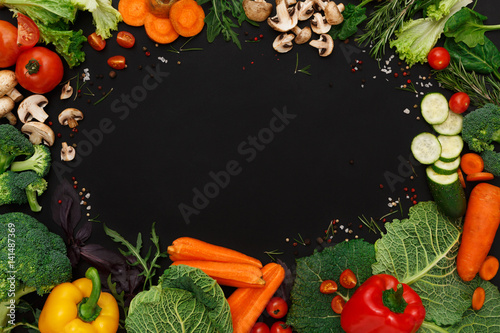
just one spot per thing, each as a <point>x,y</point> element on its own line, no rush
<point>80,307</point>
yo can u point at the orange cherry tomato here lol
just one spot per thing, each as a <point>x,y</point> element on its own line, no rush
<point>125,39</point>
<point>348,279</point>
<point>96,42</point>
<point>27,32</point>
<point>328,287</point>
<point>338,304</point>
<point>117,62</point>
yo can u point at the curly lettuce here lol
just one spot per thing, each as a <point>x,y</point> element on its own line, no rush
<point>105,16</point>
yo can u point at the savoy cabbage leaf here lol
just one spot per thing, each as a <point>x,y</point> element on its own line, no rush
<point>185,300</point>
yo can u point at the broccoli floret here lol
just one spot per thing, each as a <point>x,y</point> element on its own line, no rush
<point>13,143</point>
<point>39,162</point>
<point>22,187</point>
<point>10,192</point>
<point>481,128</point>
<point>491,161</point>
<point>32,259</point>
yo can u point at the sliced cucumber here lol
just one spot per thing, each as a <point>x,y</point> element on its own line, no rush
<point>447,192</point>
<point>446,168</point>
<point>426,148</point>
<point>451,147</point>
<point>451,126</point>
<point>434,108</point>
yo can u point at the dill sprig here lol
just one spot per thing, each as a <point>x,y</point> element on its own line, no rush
<point>481,89</point>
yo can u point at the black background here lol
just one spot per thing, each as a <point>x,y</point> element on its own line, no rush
<point>349,136</point>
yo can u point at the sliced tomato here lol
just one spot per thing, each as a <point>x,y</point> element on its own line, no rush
<point>348,279</point>
<point>27,32</point>
<point>125,39</point>
<point>338,304</point>
<point>117,62</point>
<point>96,42</point>
<point>328,287</point>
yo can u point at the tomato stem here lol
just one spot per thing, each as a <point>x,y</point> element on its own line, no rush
<point>32,67</point>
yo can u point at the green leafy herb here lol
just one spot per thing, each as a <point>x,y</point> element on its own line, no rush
<point>311,311</point>
<point>304,70</point>
<point>353,17</point>
<point>273,253</point>
<point>181,49</point>
<point>467,26</point>
<point>105,16</point>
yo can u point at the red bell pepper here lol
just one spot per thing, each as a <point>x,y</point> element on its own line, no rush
<point>383,305</point>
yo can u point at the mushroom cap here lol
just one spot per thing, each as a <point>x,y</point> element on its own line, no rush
<point>6,107</point>
<point>39,133</point>
<point>69,115</point>
<point>333,13</point>
<point>324,44</point>
<point>304,9</point>
<point>8,81</point>
<point>285,18</point>
<point>302,35</point>
<point>319,24</point>
<point>32,108</point>
<point>68,153</point>
<point>257,10</point>
<point>283,43</point>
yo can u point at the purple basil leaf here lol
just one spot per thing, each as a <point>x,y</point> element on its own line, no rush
<point>83,233</point>
<point>101,258</point>
<point>286,286</point>
<point>66,210</point>
<point>74,255</point>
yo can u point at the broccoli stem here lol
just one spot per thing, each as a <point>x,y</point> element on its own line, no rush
<point>496,136</point>
<point>5,162</point>
<point>10,305</point>
<point>33,201</point>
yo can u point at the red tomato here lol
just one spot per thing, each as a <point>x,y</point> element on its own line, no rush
<point>328,287</point>
<point>260,327</point>
<point>281,327</point>
<point>125,39</point>
<point>438,58</point>
<point>117,62</point>
<point>459,102</point>
<point>348,279</point>
<point>277,307</point>
<point>39,70</point>
<point>96,42</point>
<point>338,304</point>
<point>8,44</point>
<point>27,32</point>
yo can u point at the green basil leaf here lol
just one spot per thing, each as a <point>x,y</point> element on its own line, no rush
<point>353,17</point>
<point>484,59</point>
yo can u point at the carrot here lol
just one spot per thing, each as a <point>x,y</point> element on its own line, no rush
<point>247,304</point>
<point>461,177</point>
<point>233,274</point>
<point>478,298</point>
<point>489,268</point>
<point>188,18</point>
<point>133,12</point>
<point>471,163</point>
<point>479,176</point>
<point>480,225</point>
<point>160,8</point>
<point>160,29</point>
<point>187,248</point>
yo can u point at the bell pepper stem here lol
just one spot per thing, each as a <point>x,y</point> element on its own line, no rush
<point>394,299</point>
<point>88,310</point>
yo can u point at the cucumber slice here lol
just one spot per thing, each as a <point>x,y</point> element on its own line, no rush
<point>434,108</point>
<point>447,192</point>
<point>426,148</point>
<point>451,147</point>
<point>446,168</point>
<point>451,126</point>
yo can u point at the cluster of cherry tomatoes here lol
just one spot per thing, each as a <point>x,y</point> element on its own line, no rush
<point>347,280</point>
<point>124,38</point>
<point>277,308</point>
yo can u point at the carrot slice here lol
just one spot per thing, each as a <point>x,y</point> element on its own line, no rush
<point>461,177</point>
<point>188,18</point>
<point>471,163</point>
<point>133,12</point>
<point>478,298</point>
<point>480,176</point>
<point>489,268</point>
<point>160,29</point>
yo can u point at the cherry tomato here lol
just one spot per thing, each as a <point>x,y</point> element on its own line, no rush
<point>125,39</point>
<point>438,58</point>
<point>277,307</point>
<point>338,304</point>
<point>96,42</point>
<point>281,327</point>
<point>328,287</point>
<point>348,279</point>
<point>8,44</point>
<point>117,62</point>
<point>260,327</point>
<point>459,102</point>
<point>27,32</point>
<point>39,70</point>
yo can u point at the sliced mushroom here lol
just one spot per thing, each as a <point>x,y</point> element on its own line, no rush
<point>285,19</point>
<point>319,24</point>
<point>39,133</point>
<point>6,107</point>
<point>32,108</point>
<point>324,44</point>
<point>70,117</point>
<point>8,82</point>
<point>257,10</point>
<point>333,13</point>
<point>67,91</point>
<point>283,43</point>
<point>302,35</point>
<point>320,5</point>
<point>304,9</point>
<point>67,152</point>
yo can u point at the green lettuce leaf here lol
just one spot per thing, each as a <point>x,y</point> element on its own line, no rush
<point>185,300</point>
<point>440,9</point>
<point>105,16</point>
<point>311,311</point>
<point>68,43</point>
<point>43,11</point>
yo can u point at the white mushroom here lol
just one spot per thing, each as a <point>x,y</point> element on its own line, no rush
<point>70,117</point>
<point>302,35</point>
<point>324,44</point>
<point>319,24</point>
<point>283,43</point>
<point>67,91</point>
<point>32,108</point>
<point>6,107</point>
<point>39,133</point>
<point>67,152</point>
<point>304,9</point>
<point>285,19</point>
<point>8,82</point>
<point>333,13</point>
<point>257,10</point>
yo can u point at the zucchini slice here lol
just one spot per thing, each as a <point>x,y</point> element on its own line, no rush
<point>451,147</point>
<point>434,108</point>
<point>447,192</point>
<point>446,168</point>
<point>426,148</point>
<point>451,126</point>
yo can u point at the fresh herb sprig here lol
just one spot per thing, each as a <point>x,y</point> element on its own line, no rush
<point>304,70</point>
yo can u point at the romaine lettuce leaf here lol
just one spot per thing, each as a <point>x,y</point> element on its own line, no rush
<point>43,11</point>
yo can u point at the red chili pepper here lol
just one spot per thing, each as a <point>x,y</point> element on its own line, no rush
<point>383,305</point>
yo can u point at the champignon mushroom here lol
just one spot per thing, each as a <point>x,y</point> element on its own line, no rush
<point>39,133</point>
<point>302,35</point>
<point>333,13</point>
<point>8,82</point>
<point>67,91</point>
<point>304,9</point>
<point>324,44</point>
<point>319,24</point>
<point>6,107</point>
<point>257,10</point>
<point>67,152</point>
<point>70,117</point>
<point>32,108</point>
<point>285,19</point>
<point>283,43</point>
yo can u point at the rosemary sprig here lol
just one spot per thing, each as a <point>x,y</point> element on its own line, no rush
<point>104,97</point>
<point>408,87</point>
<point>181,49</point>
<point>300,240</point>
<point>304,70</point>
<point>273,253</point>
